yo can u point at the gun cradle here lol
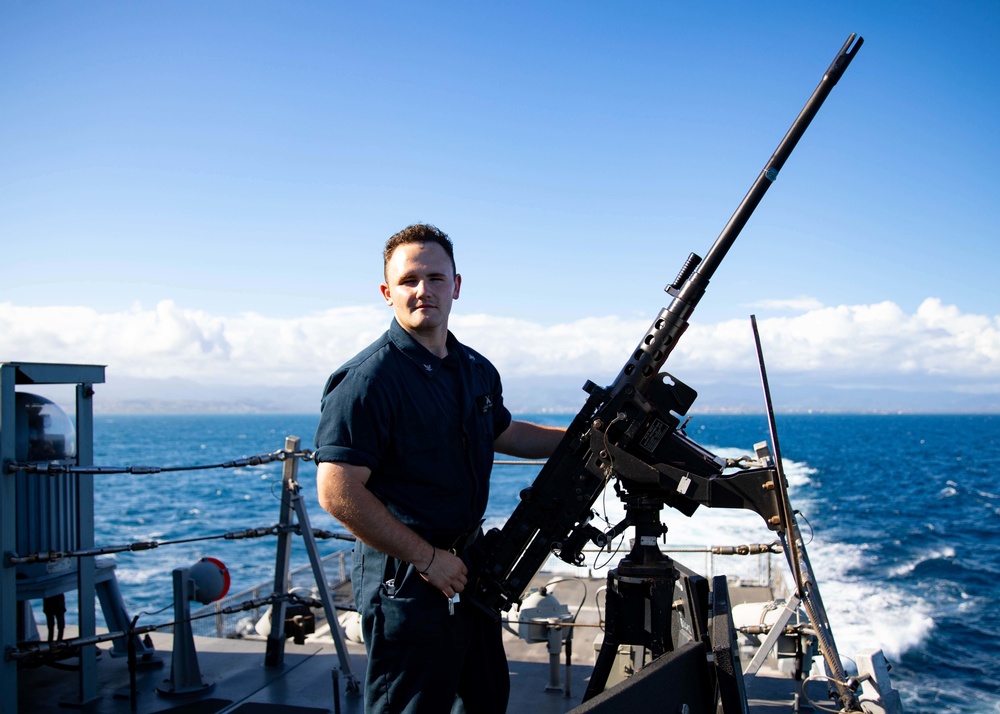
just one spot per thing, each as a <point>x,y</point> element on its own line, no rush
<point>683,490</point>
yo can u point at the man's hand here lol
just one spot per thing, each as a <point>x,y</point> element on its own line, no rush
<point>445,571</point>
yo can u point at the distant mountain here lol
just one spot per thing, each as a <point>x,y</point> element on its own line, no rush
<point>561,394</point>
<point>131,395</point>
<point>537,395</point>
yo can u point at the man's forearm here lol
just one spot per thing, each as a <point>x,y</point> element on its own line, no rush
<point>344,495</point>
<point>367,518</point>
<point>529,441</point>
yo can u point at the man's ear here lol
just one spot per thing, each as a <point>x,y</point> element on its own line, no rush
<point>384,289</point>
<point>458,286</point>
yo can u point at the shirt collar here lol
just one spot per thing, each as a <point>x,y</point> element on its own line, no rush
<point>417,353</point>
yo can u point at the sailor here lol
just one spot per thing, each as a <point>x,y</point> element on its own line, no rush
<point>405,447</point>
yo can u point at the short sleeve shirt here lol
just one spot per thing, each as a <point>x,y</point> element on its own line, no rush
<point>425,427</point>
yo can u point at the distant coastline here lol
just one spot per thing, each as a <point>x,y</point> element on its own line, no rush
<point>170,408</point>
<point>539,395</point>
<point>165,407</point>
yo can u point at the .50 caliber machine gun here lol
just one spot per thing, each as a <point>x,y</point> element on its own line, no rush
<point>630,434</point>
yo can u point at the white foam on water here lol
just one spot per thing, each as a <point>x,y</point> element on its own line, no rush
<point>863,613</point>
<point>945,551</point>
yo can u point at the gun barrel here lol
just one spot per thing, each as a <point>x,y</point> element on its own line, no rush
<point>777,161</point>
<point>672,321</point>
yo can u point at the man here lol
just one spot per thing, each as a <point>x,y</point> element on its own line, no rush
<point>405,447</point>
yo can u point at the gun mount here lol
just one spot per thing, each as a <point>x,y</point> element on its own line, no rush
<point>630,434</point>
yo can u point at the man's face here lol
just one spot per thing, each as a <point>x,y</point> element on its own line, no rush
<point>420,287</point>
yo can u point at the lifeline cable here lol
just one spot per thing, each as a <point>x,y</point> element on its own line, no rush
<point>259,532</point>
<point>26,650</point>
<point>54,469</point>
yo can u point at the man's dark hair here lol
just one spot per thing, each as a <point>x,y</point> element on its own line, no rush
<point>419,233</point>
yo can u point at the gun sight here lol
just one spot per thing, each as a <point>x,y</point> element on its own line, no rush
<point>685,272</point>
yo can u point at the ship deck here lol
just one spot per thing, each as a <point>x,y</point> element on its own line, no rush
<point>309,681</point>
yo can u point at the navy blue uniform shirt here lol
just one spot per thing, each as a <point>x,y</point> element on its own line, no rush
<point>425,427</point>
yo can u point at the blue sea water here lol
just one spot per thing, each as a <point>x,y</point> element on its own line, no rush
<point>903,511</point>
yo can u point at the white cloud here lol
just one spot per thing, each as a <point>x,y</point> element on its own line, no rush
<point>874,341</point>
<point>881,339</point>
<point>169,341</point>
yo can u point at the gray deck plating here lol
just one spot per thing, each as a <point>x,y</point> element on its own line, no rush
<point>307,681</point>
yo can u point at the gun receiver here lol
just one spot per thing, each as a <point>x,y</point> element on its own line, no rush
<point>630,430</point>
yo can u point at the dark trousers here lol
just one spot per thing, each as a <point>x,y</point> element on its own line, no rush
<point>421,658</point>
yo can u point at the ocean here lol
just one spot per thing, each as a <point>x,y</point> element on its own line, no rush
<point>903,512</point>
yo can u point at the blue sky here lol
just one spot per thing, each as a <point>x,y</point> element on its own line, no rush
<point>180,181</point>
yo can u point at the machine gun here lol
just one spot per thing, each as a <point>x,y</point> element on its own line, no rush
<point>630,433</point>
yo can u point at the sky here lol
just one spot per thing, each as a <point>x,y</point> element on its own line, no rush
<point>201,191</point>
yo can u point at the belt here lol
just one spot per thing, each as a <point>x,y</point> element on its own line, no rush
<point>457,543</point>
